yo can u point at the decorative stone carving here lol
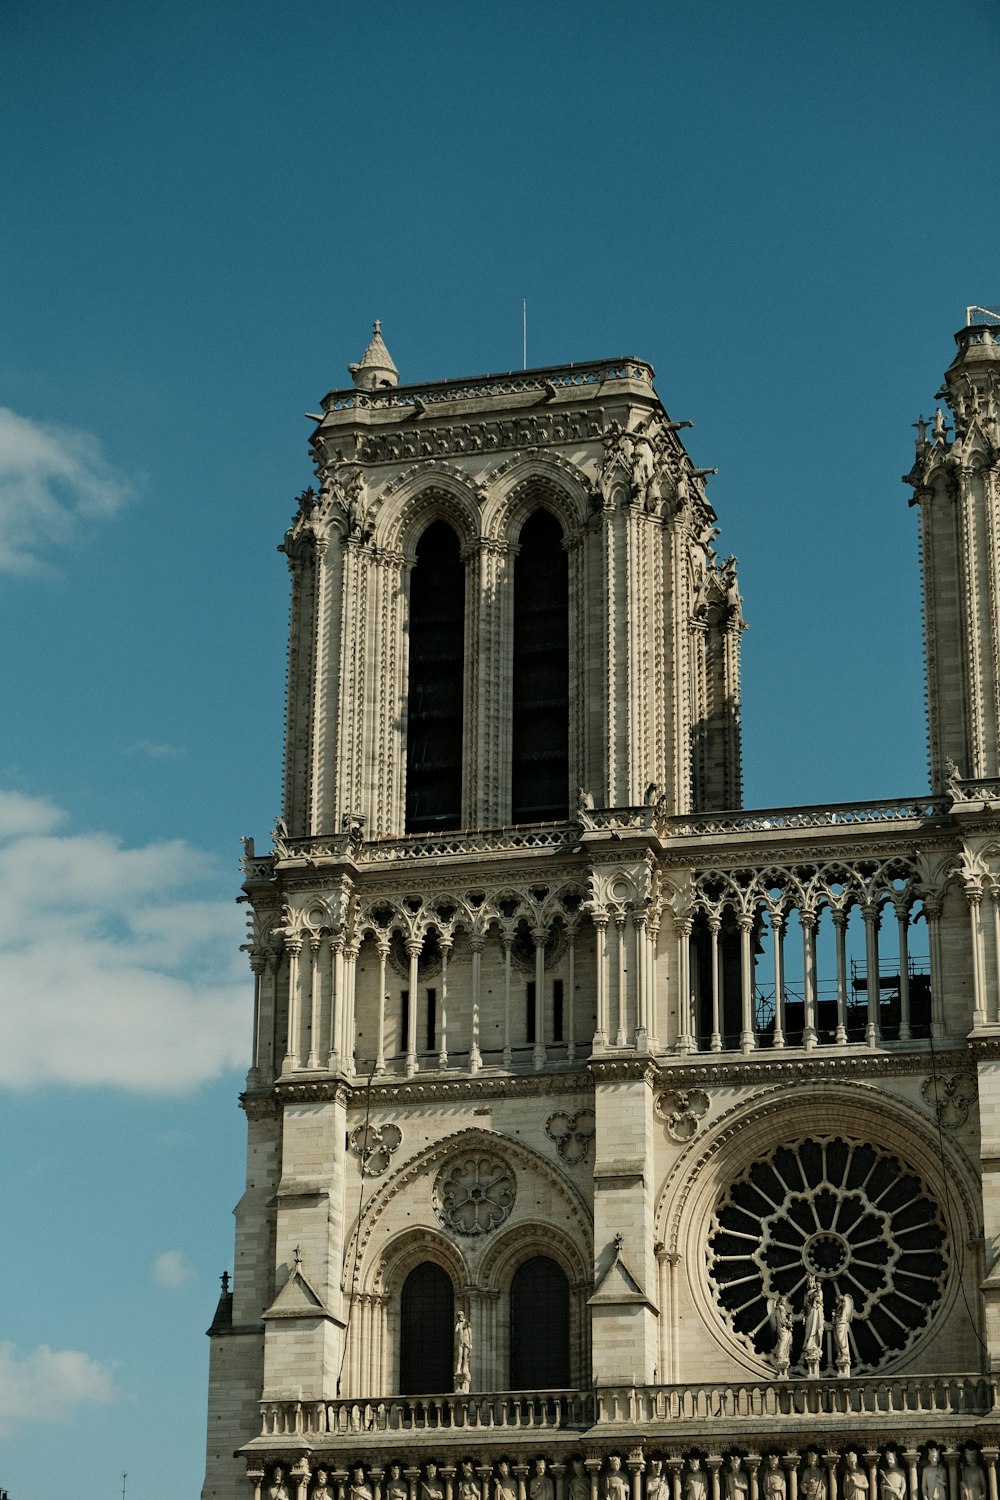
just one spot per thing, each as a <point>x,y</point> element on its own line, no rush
<point>891,1478</point>
<point>360,1488</point>
<point>431,1486</point>
<point>657,1483</point>
<point>540,1486</point>
<point>468,1485</point>
<point>682,1109</point>
<point>970,1482</point>
<point>474,1193</point>
<point>772,1483</point>
<point>736,1482</point>
<point>949,1098</point>
<point>463,1353</point>
<point>779,1311</point>
<point>818,1219</point>
<point>934,1479</point>
<point>695,1481</point>
<point>396,1487</point>
<point>375,1145</point>
<point>843,1314</point>
<point>572,1134</point>
<point>505,1486</point>
<point>278,1489</point>
<point>854,1484</point>
<point>615,1482</point>
<point>320,1490</point>
<point>812,1479</point>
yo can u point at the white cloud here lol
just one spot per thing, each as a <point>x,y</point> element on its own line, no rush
<point>154,750</point>
<point>171,1270</point>
<point>53,479</point>
<point>47,1384</point>
<point>119,966</point>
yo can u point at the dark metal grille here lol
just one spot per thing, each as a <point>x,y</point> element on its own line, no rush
<point>427,1332</point>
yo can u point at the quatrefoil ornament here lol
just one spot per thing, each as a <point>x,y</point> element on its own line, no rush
<point>375,1145</point>
<point>572,1134</point>
<point>681,1109</point>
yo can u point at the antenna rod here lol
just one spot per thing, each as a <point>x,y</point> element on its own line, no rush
<point>524,319</point>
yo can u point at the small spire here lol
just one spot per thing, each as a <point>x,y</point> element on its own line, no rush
<point>375,369</point>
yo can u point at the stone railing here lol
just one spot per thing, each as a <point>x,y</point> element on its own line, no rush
<point>551,1410</point>
<point>814,1400</point>
<point>560,376</point>
<point>830,815</point>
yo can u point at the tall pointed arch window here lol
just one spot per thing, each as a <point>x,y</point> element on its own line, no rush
<point>436,682</point>
<point>426,1331</point>
<point>539,1326</point>
<point>540,728</point>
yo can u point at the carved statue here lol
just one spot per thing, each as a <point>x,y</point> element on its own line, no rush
<point>934,1479</point>
<point>812,1344</point>
<point>970,1479</point>
<point>843,1312</point>
<point>468,1487</point>
<point>396,1487</point>
<point>431,1487</point>
<point>773,1482</point>
<point>657,1486</point>
<point>891,1479</point>
<point>780,1316</point>
<point>541,1486</point>
<point>360,1488</point>
<point>812,1479</point>
<point>584,807</point>
<point>463,1353</point>
<point>855,1483</point>
<point>695,1481</point>
<point>320,1490</point>
<point>504,1487</point>
<point>279,1489</point>
<point>279,837</point>
<point>615,1483</point>
<point>578,1487</point>
<point>736,1481</point>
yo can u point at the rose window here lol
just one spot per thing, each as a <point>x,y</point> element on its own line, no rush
<point>474,1193</point>
<point>840,1213</point>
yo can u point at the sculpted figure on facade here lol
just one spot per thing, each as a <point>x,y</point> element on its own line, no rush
<point>505,1488</point>
<point>892,1478</point>
<point>773,1484</point>
<point>843,1312</point>
<point>971,1485</point>
<point>320,1490</point>
<point>396,1487</point>
<point>360,1488</point>
<point>468,1485</point>
<point>855,1482</point>
<point>812,1478</point>
<point>695,1481</point>
<point>735,1480</point>
<point>615,1483</point>
<point>657,1485</point>
<point>780,1310</point>
<point>463,1353</point>
<point>578,1487</point>
<point>540,1486</point>
<point>812,1343</point>
<point>431,1486</point>
<point>934,1479</point>
<point>278,1489</point>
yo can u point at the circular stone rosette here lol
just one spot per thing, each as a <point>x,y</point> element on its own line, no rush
<point>474,1192</point>
<point>851,1216</point>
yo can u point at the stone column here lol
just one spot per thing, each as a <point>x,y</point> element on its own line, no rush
<point>636,1467</point>
<point>715,929</point>
<point>258,963</point>
<point>538,1054</point>
<point>350,976</point>
<point>808,923</point>
<point>830,1459</point>
<point>990,1456</point>
<point>713,1463</point>
<point>508,1055</point>
<point>640,942</point>
<point>336,998</point>
<point>256,1478</point>
<point>477,943</point>
<point>413,951</point>
<point>752,1464</point>
<point>570,1018</point>
<point>840,918</point>
<point>600,920</point>
<point>745,921</point>
<point>312,1061</point>
<point>873,1031</point>
<point>791,1463</point>
<point>621,1031</point>
<point>443,1052</point>
<point>951,1459</point>
<point>778,941</point>
<point>903,921</point>
<point>686,1022</point>
<point>293,947</point>
<point>383,954</point>
<point>675,1467</point>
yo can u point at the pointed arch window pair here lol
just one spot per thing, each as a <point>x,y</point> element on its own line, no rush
<point>436,698</point>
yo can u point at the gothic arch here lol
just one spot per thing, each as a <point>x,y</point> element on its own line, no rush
<point>423,1164</point>
<point>781,1116</point>
<point>437,492</point>
<point>530,481</point>
<point>407,1249</point>
<point>524,1241</point>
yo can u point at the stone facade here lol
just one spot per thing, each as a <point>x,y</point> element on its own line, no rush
<point>727,1082</point>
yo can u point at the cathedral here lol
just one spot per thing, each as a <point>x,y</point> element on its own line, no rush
<point>607,1140</point>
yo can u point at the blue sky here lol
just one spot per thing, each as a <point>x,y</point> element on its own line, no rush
<point>785,208</point>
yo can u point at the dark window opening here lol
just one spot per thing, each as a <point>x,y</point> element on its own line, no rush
<point>436,683</point>
<point>540,730</point>
<point>404,1020</point>
<point>557,1010</point>
<point>529,1011</point>
<point>426,1331</point>
<point>539,1327</point>
<point>431,1019</point>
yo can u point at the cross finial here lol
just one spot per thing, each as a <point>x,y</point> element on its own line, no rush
<point>619,1242</point>
<point>225,1282</point>
<point>377,326</point>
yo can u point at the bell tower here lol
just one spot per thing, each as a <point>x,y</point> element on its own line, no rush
<point>956,484</point>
